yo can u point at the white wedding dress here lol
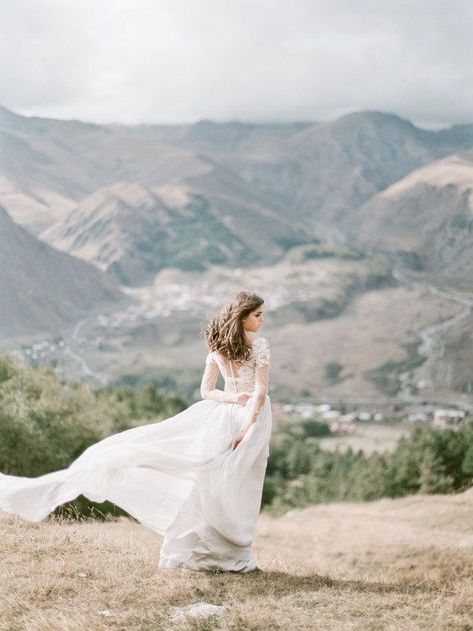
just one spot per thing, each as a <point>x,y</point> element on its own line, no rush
<point>178,477</point>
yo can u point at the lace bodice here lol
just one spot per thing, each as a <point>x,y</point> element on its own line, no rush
<point>250,376</point>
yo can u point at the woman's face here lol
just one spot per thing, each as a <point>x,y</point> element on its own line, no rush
<point>253,320</point>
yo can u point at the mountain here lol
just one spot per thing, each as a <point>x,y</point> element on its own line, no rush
<point>320,172</point>
<point>426,216</point>
<point>345,162</point>
<point>48,166</point>
<point>41,174</point>
<point>245,191</point>
<point>133,231</point>
<point>227,138</point>
<point>43,290</point>
<point>314,172</point>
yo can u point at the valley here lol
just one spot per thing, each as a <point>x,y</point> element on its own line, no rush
<point>329,301</point>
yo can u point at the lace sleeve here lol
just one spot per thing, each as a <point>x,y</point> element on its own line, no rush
<point>262,360</point>
<point>209,381</point>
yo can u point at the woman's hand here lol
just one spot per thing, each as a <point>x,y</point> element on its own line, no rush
<point>238,438</point>
<point>243,397</point>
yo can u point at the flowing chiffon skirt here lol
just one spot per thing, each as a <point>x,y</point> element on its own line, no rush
<point>179,477</point>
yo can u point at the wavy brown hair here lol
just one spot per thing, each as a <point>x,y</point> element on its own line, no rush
<point>224,332</point>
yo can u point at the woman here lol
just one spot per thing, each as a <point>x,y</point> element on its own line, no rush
<point>196,477</point>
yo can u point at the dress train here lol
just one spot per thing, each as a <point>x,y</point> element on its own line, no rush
<point>179,477</point>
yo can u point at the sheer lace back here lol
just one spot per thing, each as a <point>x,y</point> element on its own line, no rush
<point>240,376</point>
<point>247,376</point>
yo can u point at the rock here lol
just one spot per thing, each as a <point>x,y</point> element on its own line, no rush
<point>198,610</point>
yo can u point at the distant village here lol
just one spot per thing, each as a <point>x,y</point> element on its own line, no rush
<point>42,351</point>
<point>346,423</point>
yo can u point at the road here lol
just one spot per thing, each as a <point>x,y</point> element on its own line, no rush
<point>85,370</point>
<point>428,335</point>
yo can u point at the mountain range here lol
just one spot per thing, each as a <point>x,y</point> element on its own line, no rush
<point>135,199</point>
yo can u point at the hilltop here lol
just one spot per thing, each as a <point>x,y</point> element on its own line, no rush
<point>389,564</point>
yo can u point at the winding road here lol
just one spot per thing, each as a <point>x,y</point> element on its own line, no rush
<point>428,335</point>
<point>85,370</point>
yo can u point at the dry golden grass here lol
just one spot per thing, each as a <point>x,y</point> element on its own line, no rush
<point>390,564</point>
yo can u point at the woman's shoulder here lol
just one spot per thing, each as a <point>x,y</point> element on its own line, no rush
<point>260,342</point>
<point>211,357</point>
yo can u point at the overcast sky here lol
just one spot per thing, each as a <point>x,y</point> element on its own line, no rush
<point>171,61</point>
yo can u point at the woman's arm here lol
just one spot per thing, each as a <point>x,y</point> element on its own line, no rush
<point>261,382</point>
<point>209,380</point>
<point>259,396</point>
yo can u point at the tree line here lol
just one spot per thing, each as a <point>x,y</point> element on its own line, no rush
<point>300,472</point>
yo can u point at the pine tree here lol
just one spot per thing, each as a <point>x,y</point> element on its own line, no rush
<point>467,464</point>
<point>432,477</point>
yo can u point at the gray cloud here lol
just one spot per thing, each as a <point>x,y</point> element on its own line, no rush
<point>260,60</point>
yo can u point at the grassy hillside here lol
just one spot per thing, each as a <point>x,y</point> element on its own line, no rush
<point>388,564</point>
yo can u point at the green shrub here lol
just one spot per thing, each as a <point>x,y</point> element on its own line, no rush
<point>430,460</point>
<point>46,423</point>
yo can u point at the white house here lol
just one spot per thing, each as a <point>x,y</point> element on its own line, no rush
<point>442,418</point>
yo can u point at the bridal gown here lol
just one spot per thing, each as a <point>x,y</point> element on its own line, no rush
<point>179,477</point>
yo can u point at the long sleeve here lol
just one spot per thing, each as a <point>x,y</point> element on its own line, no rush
<point>261,381</point>
<point>209,380</point>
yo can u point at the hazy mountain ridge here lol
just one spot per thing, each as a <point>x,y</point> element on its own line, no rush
<point>133,231</point>
<point>428,214</point>
<point>304,179</point>
<point>34,297</point>
<point>317,172</point>
<point>320,172</point>
<point>75,160</point>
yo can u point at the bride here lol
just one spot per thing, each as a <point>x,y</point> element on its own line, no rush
<point>197,477</point>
